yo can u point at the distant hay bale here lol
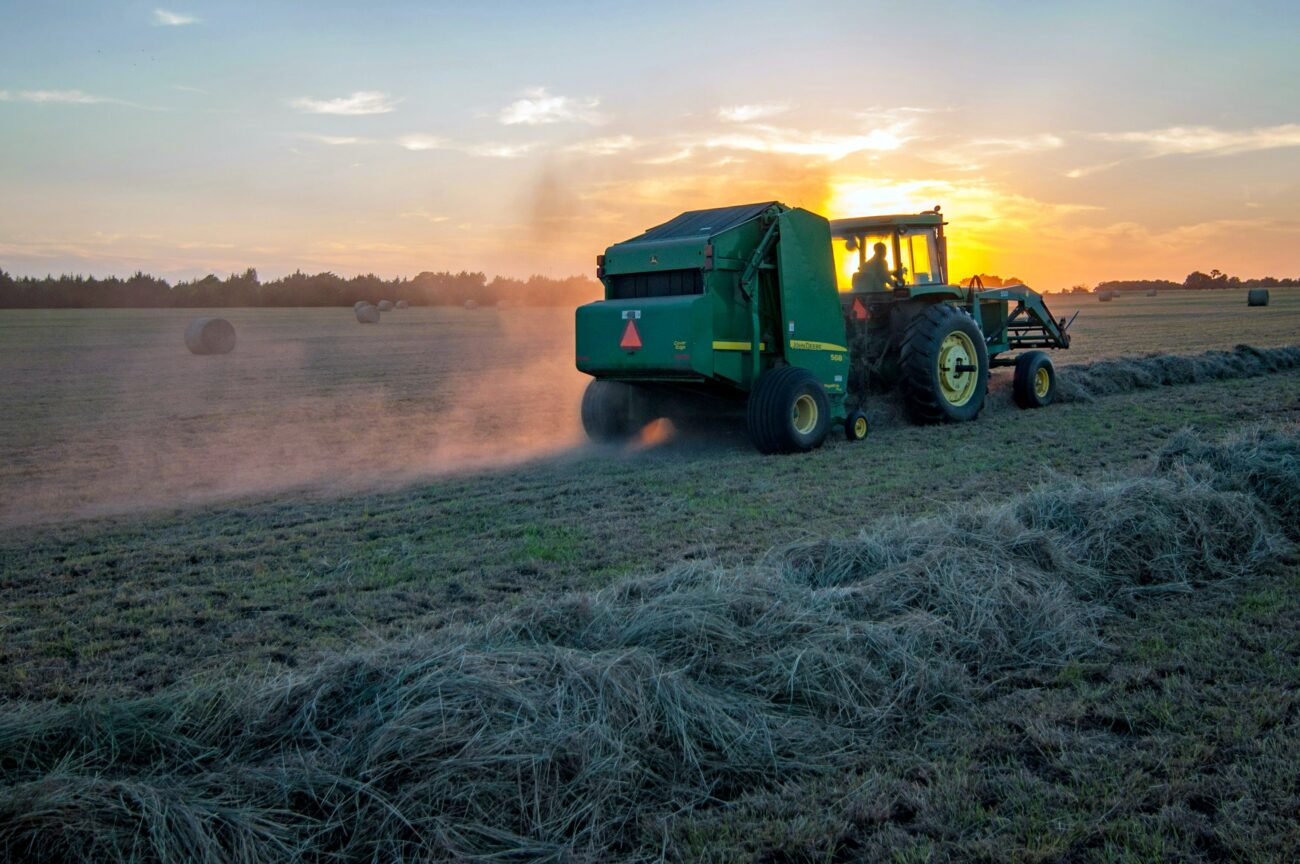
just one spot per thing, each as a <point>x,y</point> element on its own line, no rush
<point>385,305</point>
<point>360,303</point>
<point>367,314</point>
<point>210,336</point>
<point>400,304</point>
<point>1257,297</point>
<point>471,304</point>
<point>1151,292</point>
<point>1106,296</point>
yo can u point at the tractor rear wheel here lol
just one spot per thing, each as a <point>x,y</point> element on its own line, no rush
<point>788,411</point>
<point>1034,385</point>
<point>607,411</point>
<point>945,366</point>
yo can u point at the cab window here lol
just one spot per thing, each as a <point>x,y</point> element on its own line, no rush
<point>919,257</point>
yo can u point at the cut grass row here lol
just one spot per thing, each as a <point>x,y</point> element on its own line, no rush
<point>579,727</point>
<point>128,605</point>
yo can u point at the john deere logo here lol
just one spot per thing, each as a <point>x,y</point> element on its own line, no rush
<point>654,259</point>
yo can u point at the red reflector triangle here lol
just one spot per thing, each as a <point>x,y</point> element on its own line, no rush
<point>631,338</point>
<point>859,311</point>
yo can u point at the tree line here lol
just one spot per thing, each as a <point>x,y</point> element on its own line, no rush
<point>297,289</point>
<point>1195,281</point>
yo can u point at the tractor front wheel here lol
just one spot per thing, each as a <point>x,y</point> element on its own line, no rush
<point>945,366</point>
<point>856,426</point>
<point>788,411</point>
<point>1034,385</point>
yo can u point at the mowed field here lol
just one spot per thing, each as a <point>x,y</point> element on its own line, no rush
<point>107,413</point>
<point>168,520</point>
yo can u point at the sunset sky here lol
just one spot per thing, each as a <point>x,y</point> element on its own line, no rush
<point>1067,142</point>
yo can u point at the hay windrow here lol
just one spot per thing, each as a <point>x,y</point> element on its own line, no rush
<point>1085,382</point>
<point>568,729</point>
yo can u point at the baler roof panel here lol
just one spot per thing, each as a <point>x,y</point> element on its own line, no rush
<point>702,224</point>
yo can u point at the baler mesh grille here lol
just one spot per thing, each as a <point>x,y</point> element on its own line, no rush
<point>663,283</point>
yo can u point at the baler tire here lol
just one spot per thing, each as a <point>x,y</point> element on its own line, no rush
<point>771,412</point>
<point>1034,385</point>
<point>607,411</point>
<point>919,355</point>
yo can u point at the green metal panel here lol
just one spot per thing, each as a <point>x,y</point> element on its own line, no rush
<point>811,323</point>
<point>649,256</point>
<point>676,335</point>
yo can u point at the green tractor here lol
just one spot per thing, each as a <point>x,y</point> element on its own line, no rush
<point>743,305</point>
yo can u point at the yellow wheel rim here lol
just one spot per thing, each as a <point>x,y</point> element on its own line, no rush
<point>1042,381</point>
<point>860,427</point>
<point>956,379</point>
<point>804,414</point>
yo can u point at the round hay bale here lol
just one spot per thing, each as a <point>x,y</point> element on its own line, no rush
<point>210,336</point>
<point>360,303</point>
<point>401,304</point>
<point>385,305</point>
<point>1106,296</point>
<point>1257,297</point>
<point>1151,292</point>
<point>471,304</point>
<point>368,314</point>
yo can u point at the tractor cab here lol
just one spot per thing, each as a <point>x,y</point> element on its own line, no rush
<point>915,252</point>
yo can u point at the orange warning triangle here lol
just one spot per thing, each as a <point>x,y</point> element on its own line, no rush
<point>859,311</point>
<point>631,339</point>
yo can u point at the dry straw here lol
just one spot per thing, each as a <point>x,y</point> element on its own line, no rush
<point>1085,382</point>
<point>568,729</point>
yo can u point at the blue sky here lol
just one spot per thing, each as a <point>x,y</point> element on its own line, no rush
<point>1068,142</point>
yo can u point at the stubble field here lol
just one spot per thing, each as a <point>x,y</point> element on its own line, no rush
<point>169,521</point>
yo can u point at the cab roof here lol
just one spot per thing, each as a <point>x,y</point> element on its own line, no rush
<point>856,224</point>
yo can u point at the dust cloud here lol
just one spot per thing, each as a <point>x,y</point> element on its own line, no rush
<point>108,413</point>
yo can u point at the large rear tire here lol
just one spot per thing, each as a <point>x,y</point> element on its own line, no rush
<point>607,411</point>
<point>788,411</point>
<point>1034,385</point>
<point>945,366</point>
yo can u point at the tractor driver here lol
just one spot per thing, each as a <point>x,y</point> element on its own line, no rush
<point>874,273</point>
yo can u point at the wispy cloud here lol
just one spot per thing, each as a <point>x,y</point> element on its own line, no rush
<point>824,145</point>
<point>603,146</point>
<point>424,216</point>
<point>165,18</point>
<point>970,154</point>
<point>1194,141</point>
<point>64,97</point>
<point>750,113</point>
<point>498,151</point>
<point>422,142</point>
<point>1207,139</point>
<point>359,103</point>
<point>335,140</point>
<point>538,106</point>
